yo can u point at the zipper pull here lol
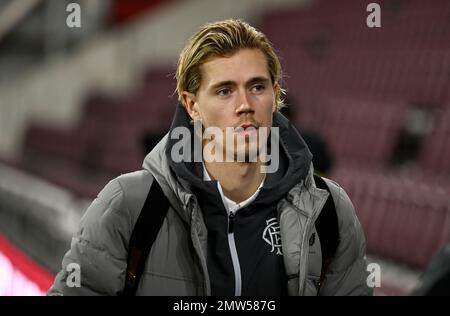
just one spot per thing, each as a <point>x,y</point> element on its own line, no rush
<point>231,218</point>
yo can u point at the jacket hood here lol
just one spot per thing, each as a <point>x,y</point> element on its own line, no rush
<point>294,163</point>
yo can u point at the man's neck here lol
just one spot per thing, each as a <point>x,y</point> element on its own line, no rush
<point>239,180</point>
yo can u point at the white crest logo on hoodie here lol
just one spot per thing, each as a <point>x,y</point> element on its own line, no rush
<point>272,236</point>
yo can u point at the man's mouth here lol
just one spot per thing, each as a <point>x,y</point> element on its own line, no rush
<point>246,129</point>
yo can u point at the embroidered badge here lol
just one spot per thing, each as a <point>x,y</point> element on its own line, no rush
<point>272,236</point>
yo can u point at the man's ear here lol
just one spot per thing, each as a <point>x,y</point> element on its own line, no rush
<point>277,90</point>
<point>189,101</point>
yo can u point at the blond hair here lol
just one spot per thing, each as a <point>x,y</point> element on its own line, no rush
<point>218,39</point>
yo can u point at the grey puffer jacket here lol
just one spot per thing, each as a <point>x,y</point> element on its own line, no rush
<point>177,262</point>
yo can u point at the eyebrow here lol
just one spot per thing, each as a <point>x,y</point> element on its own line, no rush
<point>253,80</point>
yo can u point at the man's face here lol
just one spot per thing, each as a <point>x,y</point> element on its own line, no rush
<point>236,92</point>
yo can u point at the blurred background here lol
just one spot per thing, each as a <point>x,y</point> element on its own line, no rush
<point>79,106</point>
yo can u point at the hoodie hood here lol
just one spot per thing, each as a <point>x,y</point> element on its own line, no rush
<point>294,161</point>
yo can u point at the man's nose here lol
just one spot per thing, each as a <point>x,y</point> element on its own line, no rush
<point>244,103</point>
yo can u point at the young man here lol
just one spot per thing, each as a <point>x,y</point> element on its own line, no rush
<point>242,219</point>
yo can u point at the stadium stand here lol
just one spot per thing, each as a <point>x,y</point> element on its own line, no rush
<point>357,86</point>
<point>354,85</point>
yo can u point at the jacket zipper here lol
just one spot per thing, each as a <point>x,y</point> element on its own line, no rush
<point>234,255</point>
<point>304,257</point>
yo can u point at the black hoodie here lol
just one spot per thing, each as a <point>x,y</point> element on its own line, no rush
<point>255,226</point>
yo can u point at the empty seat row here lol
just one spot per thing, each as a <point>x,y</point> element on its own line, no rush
<point>331,49</point>
<point>355,130</point>
<point>403,220</point>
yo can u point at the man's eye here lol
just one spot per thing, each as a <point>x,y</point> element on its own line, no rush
<point>224,92</point>
<point>258,88</point>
